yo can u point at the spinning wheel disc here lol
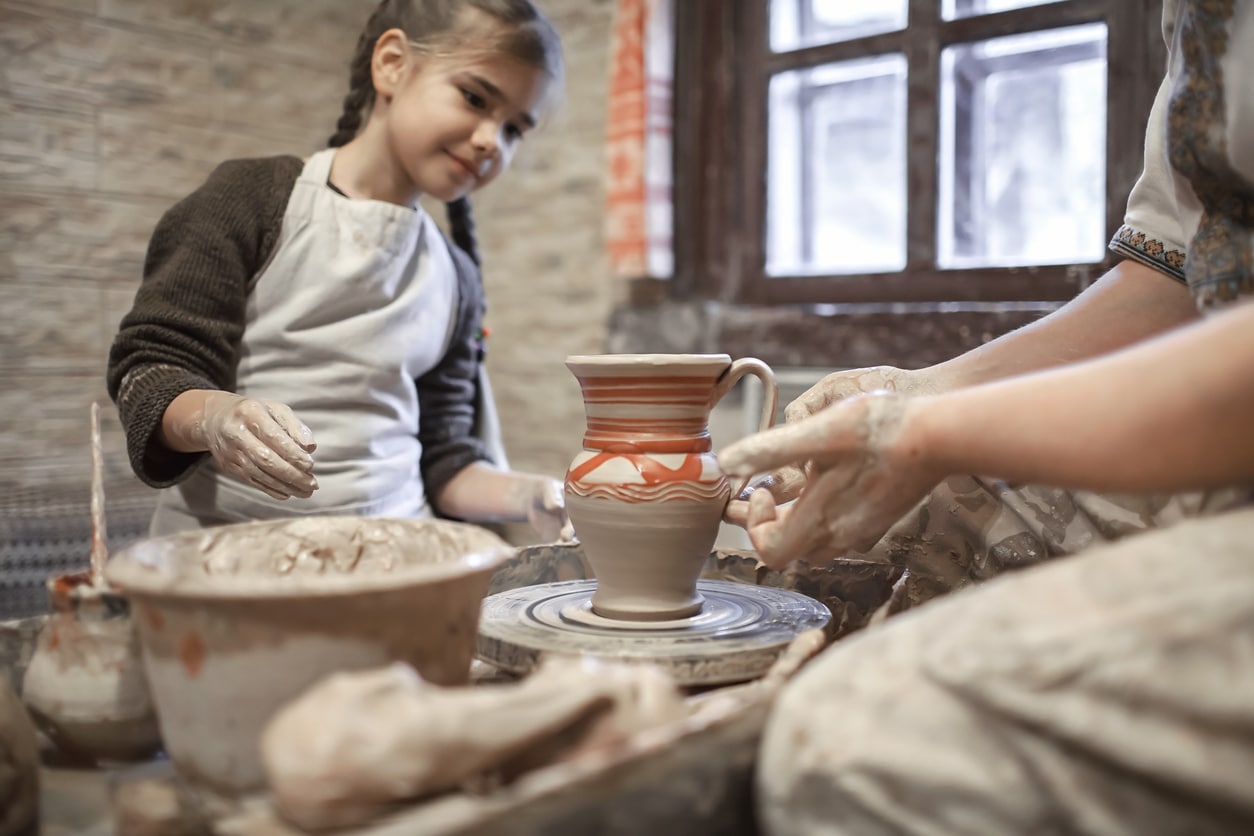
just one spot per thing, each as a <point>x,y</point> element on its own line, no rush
<point>738,633</point>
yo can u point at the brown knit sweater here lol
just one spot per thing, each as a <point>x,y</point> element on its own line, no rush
<point>185,327</point>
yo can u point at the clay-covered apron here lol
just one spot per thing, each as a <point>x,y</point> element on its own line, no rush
<point>357,301</point>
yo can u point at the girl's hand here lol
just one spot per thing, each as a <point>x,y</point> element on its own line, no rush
<point>864,473</point>
<point>261,443</point>
<point>785,483</point>
<point>546,510</point>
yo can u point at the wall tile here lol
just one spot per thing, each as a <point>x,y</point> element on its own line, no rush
<point>172,161</point>
<point>44,147</point>
<point>79,6</point>
<point>45,425</point>
<point>77,234</point>
<point>50,326</point>
<point>78,62</point>
<point>318,32</point>
<point>278,97</point>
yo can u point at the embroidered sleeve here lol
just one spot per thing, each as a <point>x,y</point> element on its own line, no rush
<point>1152,230</point>
<point>183,331</point>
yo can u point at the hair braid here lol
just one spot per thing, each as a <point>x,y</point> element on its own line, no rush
<point>462,226</point>
<point>360,79</point>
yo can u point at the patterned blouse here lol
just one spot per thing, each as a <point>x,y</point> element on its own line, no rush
<point>1191,213</point>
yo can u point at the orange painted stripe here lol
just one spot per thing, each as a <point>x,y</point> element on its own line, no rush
<point>609,407</point>
<point>646,435</point>
<point>612,444</point>
<point>646,380</point>
<point>648,392</point>
<point>606,424</point>
<point>693,424</point>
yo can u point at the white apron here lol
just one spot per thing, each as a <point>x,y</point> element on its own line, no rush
<point>358,300</point>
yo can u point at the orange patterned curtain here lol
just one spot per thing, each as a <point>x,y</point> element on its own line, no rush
<point>638,189</point>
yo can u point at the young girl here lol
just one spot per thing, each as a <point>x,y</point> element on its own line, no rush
<point>294,306</point>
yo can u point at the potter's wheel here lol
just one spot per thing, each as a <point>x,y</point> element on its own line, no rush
<point>738,633</point>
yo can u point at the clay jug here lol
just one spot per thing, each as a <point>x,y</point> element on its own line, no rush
<point>85,685</point>
<point>646,495</point>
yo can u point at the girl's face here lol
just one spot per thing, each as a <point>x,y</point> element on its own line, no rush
<point>454,126</point>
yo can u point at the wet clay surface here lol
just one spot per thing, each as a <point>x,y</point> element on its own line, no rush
<point>300,553</point>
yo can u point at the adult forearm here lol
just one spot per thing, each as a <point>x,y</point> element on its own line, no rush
<point>1128,304</point>
<point>1172,413</point>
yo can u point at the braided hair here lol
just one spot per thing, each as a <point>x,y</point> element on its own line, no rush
<point>518,29</point>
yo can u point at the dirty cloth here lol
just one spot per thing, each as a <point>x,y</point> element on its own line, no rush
<point>1106,693</point>
<point>971,529</point>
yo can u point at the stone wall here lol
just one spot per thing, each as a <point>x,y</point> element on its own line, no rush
<point>110,110</point>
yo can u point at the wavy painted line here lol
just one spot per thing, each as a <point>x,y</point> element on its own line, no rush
<point>642,493</point>
<point>651,471</point>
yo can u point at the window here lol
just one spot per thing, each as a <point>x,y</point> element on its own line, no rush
<point>906,150</point>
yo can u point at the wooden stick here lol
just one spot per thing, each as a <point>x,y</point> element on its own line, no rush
<point>99,537</point>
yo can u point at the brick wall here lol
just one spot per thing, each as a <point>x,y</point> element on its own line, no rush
<point>110,110</point>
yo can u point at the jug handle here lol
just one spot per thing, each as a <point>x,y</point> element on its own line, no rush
<point>770,391</point>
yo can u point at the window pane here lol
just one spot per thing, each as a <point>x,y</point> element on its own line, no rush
<point>1023,150</point>
<point>836,188</point>
<point>952,9</point>
<point>801,23</point>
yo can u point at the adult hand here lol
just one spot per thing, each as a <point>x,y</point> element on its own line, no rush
<point>785,483</point>
<point>261,443</point>
<point>546,510</point>
<point>864,473</point>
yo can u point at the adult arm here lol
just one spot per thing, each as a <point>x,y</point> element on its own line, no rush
<point>1175,413</point>
<point>1130,303</point>
<point>1172,413</point>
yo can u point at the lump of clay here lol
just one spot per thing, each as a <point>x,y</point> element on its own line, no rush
<point>335,546</point>
<point>19,767</point>
<point>354,745</point>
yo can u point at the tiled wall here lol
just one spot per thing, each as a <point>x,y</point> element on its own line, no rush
<point>112,109</point>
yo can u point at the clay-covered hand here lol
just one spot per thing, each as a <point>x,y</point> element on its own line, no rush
<point>261,443</point>
<point>785,483</point>
<point>546,509</point>
<point>864,473</point>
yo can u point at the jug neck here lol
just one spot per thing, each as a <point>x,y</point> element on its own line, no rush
<point>647,414</point>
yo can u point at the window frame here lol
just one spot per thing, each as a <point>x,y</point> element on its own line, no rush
<point>723,67</point>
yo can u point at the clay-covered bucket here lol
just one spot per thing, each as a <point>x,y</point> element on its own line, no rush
<point>238,620</point>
